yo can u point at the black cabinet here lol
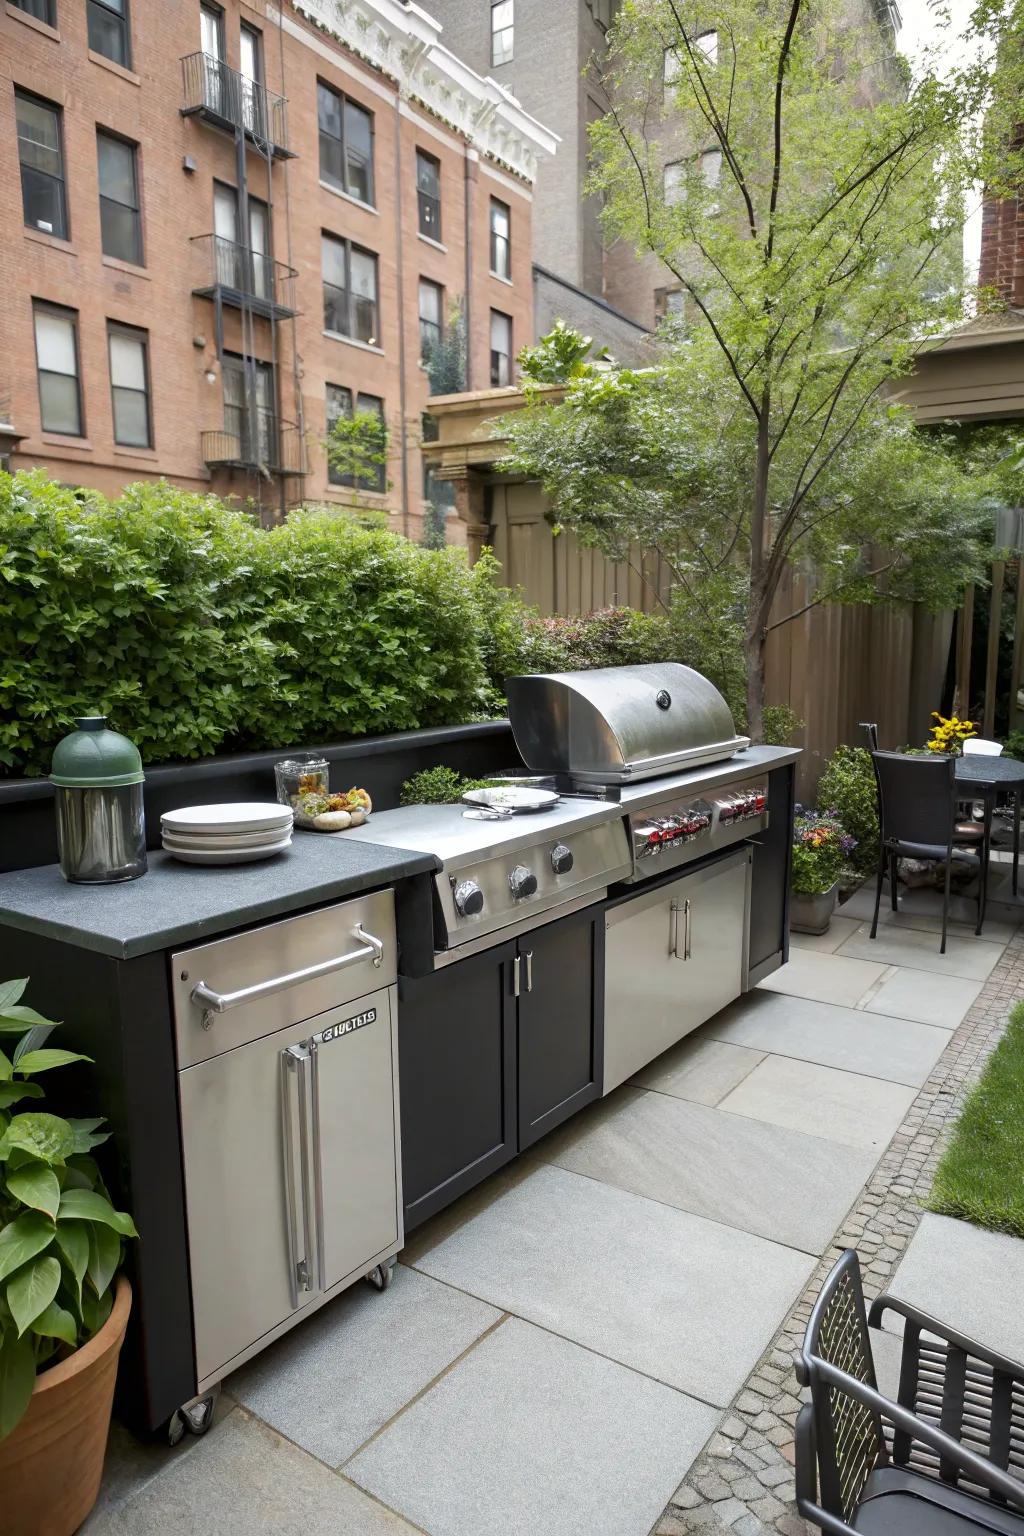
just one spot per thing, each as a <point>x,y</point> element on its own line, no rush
<point>457,1049</point>
<point>496,1050</point>
<point>559,1023</point>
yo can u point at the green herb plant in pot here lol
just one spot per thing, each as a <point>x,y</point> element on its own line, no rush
<point>820,849</point>
<point>63,1302</point>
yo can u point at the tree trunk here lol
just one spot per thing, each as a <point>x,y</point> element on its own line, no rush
<point>753,647</point>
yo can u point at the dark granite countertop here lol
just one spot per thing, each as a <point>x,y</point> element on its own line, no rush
<point>177,903</point>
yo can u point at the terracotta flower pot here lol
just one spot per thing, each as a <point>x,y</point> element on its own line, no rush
<point>52,1462</point>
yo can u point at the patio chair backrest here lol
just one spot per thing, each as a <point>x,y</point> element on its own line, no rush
<point>848,1435</point>
<point>916,798</point>
<point>982,747</point>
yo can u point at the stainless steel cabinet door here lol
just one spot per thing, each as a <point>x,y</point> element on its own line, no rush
<point>290,1160</point>
<point>674,957</point>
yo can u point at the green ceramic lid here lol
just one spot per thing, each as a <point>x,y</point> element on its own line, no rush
<point>94,758</point>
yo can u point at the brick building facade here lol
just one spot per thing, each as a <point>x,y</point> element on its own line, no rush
<point>220,224</point>
<point>1001,267</point>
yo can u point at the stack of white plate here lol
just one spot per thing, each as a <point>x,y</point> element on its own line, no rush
<point>227,834</point>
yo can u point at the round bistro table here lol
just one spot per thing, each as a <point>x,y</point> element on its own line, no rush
<point>990,776</point>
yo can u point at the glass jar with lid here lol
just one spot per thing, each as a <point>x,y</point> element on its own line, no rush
<point>304,784</point>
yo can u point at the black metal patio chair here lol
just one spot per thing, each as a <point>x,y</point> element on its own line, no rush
<point>917,818</point>
<point>947,1459</point>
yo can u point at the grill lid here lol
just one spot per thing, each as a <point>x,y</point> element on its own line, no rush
<point>615,724</point>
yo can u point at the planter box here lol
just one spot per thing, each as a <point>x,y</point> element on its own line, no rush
<point>380,764</point>
<point>812,914</point>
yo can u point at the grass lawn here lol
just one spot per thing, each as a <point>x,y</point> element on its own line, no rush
<point>981,1175</point>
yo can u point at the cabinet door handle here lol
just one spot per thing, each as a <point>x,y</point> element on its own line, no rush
<point>529,970</point>
<point>298,1196</point>
<point>212,1002</point>
<point>516,967</point>
<point>687,930</point>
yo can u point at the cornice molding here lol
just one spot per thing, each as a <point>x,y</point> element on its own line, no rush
<point>403,42</point>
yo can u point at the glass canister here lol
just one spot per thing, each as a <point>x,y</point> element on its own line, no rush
<point>101,824</point>
<point>304,784</point>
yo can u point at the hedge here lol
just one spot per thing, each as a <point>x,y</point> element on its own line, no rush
<point>197,631</point>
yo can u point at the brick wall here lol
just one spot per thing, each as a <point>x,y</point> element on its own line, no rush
<point>1002,248</point>
<point>177,203</point>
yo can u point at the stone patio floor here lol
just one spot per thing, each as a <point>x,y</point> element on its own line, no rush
<point>599,1340</point>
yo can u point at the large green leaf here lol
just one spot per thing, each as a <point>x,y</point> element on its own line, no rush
<point>47,1137</point>
<point>73,1242</point>
<point>36,1185</point>
<point>6,1068</point>
<point>96,1310</point>
<point>14,1021</point>
<point>87,1205</point>
<point>104,1255</point>
<point>10,992</point>
<point>32,1289</point>
<point>54,1322</point>
<point>22,1239</point>
<point>17,1378</point>
<point>12,1093</point>
<point>33,1040</point>
<point>85,1134</point>
<point>42,1061</point>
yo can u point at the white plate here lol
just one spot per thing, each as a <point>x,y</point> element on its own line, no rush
<point>512,797</point>
<point>224,840</point>
<point>227,855</point>
<point>244,816</point>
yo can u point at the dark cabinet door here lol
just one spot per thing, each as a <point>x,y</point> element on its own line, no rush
<point>456,1041</point>
<point>769,887</point>
<point>560,1043</point>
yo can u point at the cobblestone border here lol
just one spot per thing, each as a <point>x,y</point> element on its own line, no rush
<point>742,1482</point>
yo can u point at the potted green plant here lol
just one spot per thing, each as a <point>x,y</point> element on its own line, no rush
<point>63,1300</point>
<point>820,849</point>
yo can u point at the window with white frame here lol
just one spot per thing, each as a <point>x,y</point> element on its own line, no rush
<point>501,239</point>
<point>129,385</point>
<point>431,312</point>
<point>501,349</point>
<point>60,390</point>
<point>502,29</point>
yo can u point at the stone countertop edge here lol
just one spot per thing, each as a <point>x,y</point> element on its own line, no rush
<point>176,903</point>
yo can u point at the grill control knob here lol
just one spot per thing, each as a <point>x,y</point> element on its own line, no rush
<point>522,882</point>
<point>469,898</point>
<point>561,859</point>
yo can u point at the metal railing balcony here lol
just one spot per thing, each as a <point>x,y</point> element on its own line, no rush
<point>230,100</point>
<point>257,441</point>
<point>244,278</point>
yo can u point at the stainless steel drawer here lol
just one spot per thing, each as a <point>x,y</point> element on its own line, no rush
<point>239,989</point>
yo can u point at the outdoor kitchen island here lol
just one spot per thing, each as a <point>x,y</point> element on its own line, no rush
<point>302,1059</point>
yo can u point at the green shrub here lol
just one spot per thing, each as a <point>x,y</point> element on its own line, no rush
<point>848,787</point>
<point>779,725</point>
<point>438,786</point>
<point>197,631</point>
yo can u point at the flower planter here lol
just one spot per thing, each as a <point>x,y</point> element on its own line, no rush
<point>812,913</point>
<point>52,1462</point>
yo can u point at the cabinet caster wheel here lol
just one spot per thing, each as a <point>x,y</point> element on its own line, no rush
<point>381,1276</point>
<point>195,1417</point>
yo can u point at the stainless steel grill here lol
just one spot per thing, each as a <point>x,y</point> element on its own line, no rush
<point>619,725</point>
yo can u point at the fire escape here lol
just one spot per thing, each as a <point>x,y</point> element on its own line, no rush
<point>234,275</point>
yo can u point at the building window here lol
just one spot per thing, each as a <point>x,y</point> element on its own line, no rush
<point>710,164</point>
<point>254,115</point>
<point>431,311</point>
<point>211,31</point>
<point>501,31</point>
<point>339,403</point>
<point>673,182</point>
<point>501,348</point>
<point>428,194</point>
<point>120,218</point>
<point>60,395</point>
<point>501,231</point>
<point>707,42</point>
<point>42,10</point>
<point>109,32</point>
<point>250,408</point>
<point>129,386</point>
<point>41,152</point>
<point>346,144</point>
<point>350,290</point>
